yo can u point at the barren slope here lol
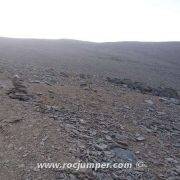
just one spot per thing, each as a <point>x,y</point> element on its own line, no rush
<point>68,121</point>
<point>154,63</point>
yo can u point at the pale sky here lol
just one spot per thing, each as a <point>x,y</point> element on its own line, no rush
<point>91,20</point>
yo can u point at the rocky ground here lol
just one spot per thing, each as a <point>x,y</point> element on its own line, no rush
<point>71,117</point>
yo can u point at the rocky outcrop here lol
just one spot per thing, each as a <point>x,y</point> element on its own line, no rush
<point>165,92</point>
<point>144,88</point>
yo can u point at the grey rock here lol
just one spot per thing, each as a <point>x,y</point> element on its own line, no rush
<point>100,146</point>
<point>149,101</point>
<point>162,99</point>
<point>109,154</point>
<point>35,81</point>
<point>140,138</point>
<point>161,113</point>
<point>108,137</point>
<point>123,154</point>
<point>177,145</point>
<point>83,84</point>
<point>171,160</point>
<point>170,100</point>
<point>174,101</point>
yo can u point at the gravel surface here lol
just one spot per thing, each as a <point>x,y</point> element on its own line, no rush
<point>72,117</point>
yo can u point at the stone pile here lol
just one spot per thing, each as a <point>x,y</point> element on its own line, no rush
<point>19,90</point>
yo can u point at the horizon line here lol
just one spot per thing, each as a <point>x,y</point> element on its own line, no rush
<point>79,40</point>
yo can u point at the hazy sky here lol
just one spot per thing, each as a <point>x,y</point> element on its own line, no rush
<point>91,20</point>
